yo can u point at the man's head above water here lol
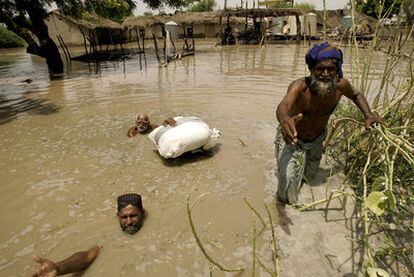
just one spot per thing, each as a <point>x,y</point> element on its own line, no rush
<point>324,60</point>
<point>142,122</point>
<point>142,125</point>
<point>131,213</point>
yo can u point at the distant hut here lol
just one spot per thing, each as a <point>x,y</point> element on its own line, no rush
<point>205,24</point>
<point>152,24</point>
<point>95,33</point>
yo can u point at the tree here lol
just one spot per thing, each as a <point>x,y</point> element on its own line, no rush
<point>115,10</point>
<point>373,7</point>
<point>203,6</point>
<point>26,19</point>
<point>155,4</point>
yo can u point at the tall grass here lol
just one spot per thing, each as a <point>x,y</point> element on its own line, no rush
<point>379,163</point>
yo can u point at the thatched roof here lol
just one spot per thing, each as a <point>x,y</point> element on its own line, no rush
<point>274,12</point>
<point>185,18</point>
<point>145,21</point>
<point>90,21</point>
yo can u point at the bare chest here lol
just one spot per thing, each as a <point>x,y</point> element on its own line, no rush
<point>313,106</point>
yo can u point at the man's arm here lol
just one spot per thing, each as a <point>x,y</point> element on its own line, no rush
<point>170,121</point>
<point>284,112</point>
<point>77,262</point>
<point>360,101</point>
<point>132,131</point>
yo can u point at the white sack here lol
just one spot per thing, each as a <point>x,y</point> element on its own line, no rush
<point>191,133</point>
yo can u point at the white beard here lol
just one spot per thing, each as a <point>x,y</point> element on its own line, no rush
<point>324,88</point>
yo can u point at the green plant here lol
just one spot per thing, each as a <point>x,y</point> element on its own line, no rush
<point>379,163</point>
<point>203,6</point>
<point>302,6</point>
<point>9,39</point>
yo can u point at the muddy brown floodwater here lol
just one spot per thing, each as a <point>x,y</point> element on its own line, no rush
<point>65,157</point>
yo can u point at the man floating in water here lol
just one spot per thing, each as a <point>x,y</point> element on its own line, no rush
<point>303,115</point>
<point>177,135</point>
<point>131,215</point>
<point>143,125</point>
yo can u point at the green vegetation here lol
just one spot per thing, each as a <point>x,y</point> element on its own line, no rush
<point>302,6</point>
<point>203,6</point>
<point>115,10</point>
<point>379,163</point>
<point>9,39</point>
<point>373,7</point>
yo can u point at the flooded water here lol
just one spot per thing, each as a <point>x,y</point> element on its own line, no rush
<point>65,157</point>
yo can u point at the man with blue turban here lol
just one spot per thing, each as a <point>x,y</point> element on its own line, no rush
<point>303,115</point>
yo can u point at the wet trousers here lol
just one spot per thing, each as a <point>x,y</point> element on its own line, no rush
<point>295,164</point>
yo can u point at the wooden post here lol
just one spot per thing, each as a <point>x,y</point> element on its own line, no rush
<point>324,20</point>
<point>67,50</point>
<point>156,47</point>
<point>84,43</point>
<point>139,45</point>
<point>192,37</point>
<point>63,49</point>
<point>298,27</point>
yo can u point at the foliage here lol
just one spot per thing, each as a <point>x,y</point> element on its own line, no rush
<point>373,7</point>
<point>112,9</point>
<point>302,6</point>
<point>9,39</point>
<point>155,4</point>
<point>203,6</point>
<point>74,8</point>
<point>379,162</point>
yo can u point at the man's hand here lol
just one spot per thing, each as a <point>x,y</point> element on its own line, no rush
<point>170,121</point>
<point>132,132</point>
<point>46,268</point>
<point>371,119</point>
<point>289,128</point>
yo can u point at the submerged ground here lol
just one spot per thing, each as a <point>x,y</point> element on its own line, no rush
<point>65,157</point>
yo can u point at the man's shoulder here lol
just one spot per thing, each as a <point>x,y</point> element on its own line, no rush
<point>343,83</point>
<point>299,84</point>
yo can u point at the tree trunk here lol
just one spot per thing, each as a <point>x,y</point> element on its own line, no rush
<point>48,48</point>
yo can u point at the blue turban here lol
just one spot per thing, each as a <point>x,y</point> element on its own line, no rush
<point>322,52</point>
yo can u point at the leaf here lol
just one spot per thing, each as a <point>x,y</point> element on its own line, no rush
<point>391,199</point>
<point>376,202</point>
<point>377,272</point>
<point>378,184</point>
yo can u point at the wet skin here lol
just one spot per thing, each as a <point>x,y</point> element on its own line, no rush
<point>304,113</point>
<point>143,125</point>
<point>131,219</point>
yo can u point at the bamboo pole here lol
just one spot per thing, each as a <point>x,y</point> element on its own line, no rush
<point>324,20</point>
<point>156,47</point>
<point>198,241</point>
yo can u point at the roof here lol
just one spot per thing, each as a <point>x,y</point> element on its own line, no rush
<point>90,21</point>
<point>274,12</point>
<point>185,18</point>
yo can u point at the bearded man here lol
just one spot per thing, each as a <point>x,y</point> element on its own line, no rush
<point>131,213</point>
<point>303,115</point>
